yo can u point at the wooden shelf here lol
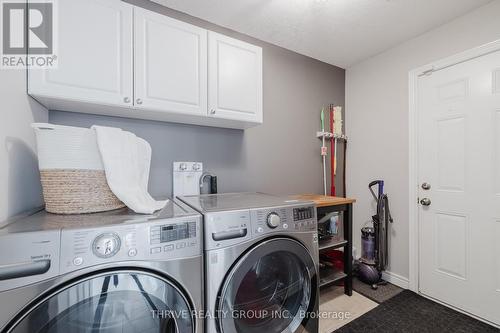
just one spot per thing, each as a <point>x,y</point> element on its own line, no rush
<point>332,244</point>
<point>329,276</point>
<point>328,205</point>
<point>325,200</point>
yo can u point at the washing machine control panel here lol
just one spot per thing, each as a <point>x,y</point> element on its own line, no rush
<point>172,232</point>
<point>173,237</point>
<point>303,213</point>
<point>28,257</point>
<point>106,245</point>
<point>228,228</point>
<point>284,219</point>
<point>141,241</point>
<point>273,220</point>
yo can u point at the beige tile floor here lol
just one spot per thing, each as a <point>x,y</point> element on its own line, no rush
<point>337,309</point>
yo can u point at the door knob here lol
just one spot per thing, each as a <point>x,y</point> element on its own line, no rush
<point>126,100</point>
<point>426,186</point>
<point>139,101</point>
<point>212,111</point>
<point>425,202</point>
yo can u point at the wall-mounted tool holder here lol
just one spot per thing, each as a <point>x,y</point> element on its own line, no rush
<point>334,135</point>
<point>329,136</point>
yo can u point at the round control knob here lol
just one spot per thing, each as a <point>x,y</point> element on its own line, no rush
<point>132,252</point>
<point>77,261</point>
<point>273,220</point>
<point>106,245</point>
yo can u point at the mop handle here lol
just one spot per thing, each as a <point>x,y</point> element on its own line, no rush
<point>323,149</point>
<point>333,155</point>
<point>324,166</point>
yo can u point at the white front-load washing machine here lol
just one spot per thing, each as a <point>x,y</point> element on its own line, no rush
<point>107,272</point>
<point>261,263</point>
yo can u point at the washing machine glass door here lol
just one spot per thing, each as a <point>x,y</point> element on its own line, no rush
<point>112,302</point>
<point>272,288</point>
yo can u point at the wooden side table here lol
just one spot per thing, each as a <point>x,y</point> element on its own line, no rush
<point>326,205</point>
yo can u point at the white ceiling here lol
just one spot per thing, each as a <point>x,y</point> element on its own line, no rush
<point>339,32</point>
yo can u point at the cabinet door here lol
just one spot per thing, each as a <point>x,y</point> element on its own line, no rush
<point>170,64</point>
<point>94,39</point>
<point>235,79</point>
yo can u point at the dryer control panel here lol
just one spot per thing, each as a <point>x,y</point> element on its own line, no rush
<point>144,241</point>
<point>227,228</point>
<point>284,219</point>
<point>173,237</point>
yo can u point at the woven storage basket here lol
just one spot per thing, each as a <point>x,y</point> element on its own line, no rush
<point>71,171</point>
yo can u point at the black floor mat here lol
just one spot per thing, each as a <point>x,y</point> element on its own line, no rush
<point>409,312</point>
<point>381,294</point>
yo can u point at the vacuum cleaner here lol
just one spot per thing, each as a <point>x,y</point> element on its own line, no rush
<point>374,240</point>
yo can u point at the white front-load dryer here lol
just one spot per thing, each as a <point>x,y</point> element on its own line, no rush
<point>261,263</point>
<point>107,272</point>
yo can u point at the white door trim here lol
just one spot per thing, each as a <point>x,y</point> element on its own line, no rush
<point>395,279</point>
<point>413,146</point>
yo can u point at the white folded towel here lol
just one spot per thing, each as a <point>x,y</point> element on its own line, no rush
<point>127,160</point>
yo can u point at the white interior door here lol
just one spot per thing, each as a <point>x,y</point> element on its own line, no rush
<point>94,55</point>
<point>459,156</point>
<point>235,79</point>
<point>170,64</point>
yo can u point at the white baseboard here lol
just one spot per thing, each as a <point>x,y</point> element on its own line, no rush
<point>396,279</point>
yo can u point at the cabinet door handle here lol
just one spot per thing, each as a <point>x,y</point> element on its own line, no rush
<point>139,101</point>
<point>212,111</point>
<point>126,100</point>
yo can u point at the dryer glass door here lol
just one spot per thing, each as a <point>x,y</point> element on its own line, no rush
<point>272,288</point>
<point>112,302</point>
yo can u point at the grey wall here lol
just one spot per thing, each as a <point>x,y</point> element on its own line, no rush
<point>377,98</point>
<point>19,178</point>
<point>281,156</point>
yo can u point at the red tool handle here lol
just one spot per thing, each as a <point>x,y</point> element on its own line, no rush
<point>332,155</point>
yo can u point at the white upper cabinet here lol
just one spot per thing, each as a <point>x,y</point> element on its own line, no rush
<point>117,59</point>
<point>170,64</point>
<point>95,44</point>
<point>235,79</point>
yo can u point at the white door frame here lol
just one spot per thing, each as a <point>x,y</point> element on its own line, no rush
<point>413,146</point>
